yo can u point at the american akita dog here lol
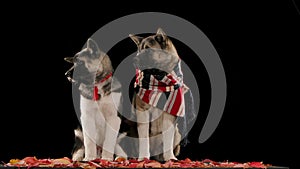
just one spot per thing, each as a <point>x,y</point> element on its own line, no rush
<point>99,101</point>
<point>159,95</point>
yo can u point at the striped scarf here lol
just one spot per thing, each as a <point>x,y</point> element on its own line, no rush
<point>161,89</point>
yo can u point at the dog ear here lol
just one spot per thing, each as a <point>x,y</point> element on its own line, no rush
<point>160,32</point>
<point>69,59</point>
<point>136,39</point>
<point>92,46</point>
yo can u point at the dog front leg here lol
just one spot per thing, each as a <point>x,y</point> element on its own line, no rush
<point>90,148</point>
<point>112,126</point>
<point>88,109</point>
<point>168,136</point>
<point>119,151</point>
<point>143,131</point>
<point>111,133</point>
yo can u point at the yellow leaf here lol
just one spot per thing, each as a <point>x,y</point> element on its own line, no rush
<point>14,161</point>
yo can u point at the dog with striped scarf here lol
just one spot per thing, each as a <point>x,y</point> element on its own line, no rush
<point>159,96</point>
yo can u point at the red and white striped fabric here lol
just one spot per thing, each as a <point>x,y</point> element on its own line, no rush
<point>168,88</point>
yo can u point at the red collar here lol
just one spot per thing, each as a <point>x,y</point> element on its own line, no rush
<point>96,95</point>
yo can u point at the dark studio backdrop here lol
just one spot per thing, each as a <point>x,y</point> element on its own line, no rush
<point>256,43</point>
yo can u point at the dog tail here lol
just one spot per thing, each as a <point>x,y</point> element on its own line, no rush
<point>78,149</point>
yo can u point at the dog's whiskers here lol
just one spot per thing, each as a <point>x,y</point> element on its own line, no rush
<point>68,71</point>
<point>68,74</point>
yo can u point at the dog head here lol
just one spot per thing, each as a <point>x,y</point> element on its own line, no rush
<point>155,52</point>
<point>88,63</point>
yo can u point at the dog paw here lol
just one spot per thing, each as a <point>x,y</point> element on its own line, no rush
<point>172,158</point>
<point>106,155</point>
<point>89,158</point>
<point>107,159</point>
<point>143,158</point>
<point>77,158</point>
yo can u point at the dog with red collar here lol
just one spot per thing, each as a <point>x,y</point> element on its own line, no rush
<point>99,101</point>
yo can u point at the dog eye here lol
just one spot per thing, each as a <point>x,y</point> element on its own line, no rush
<point>79,62</point>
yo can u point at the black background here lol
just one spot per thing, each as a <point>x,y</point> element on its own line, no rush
<point>257,43</point>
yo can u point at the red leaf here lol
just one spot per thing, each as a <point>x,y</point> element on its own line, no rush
<point>187,160</point>
<point>227,164</point>
<point>33,165</point>
<point>133,161</point>
<point>44,161</point>
<point>97,160</point>
<point>133,165</point>
<point>73,165</point>
<point>93,164</point>
<point>30,160</point>
<point>257,164</point>
<point>153,164</point>
<point>61,161</point>
<point>146,160</point>
<point>239,165</point>
<point>199,164</point>
<point>207,161</point>
<point>140,164</point>
<point>104,163</point>
<point>175,164</point>
<point>167,164</point>
<point>185,165</point>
